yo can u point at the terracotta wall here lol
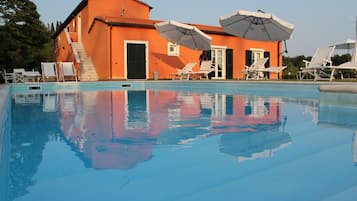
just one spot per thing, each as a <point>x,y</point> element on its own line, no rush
<point>64,51</point>
<point>166,65</point>
<point>97,46</point>
<point>158,59</point>
<point>115,8</point>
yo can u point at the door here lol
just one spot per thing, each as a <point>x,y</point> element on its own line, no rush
<point>219,63</point>
<point>229,64</point>
<point>136,61</point>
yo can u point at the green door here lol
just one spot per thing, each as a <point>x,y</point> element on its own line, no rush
<point>136,61</point>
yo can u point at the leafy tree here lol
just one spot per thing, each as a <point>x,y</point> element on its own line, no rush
<point>24,36</point>
<point>293,66</point>
<point>340,59</point>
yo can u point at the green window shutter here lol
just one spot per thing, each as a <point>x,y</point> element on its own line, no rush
<point>248,58</point>
<point>267,54</point>
<point>229,63</point>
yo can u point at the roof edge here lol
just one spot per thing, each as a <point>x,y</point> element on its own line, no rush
<point>205,28</point>
<point>78,9</point>
<point>145,4</point>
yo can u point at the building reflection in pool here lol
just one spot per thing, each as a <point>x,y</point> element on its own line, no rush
<point>118,129</point>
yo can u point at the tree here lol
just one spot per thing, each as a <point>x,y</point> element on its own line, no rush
<point>293,66</point>
<point>340,59</point>
<point>24,35</point>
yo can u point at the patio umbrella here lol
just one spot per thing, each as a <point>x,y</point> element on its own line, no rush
<point>256,26</point>
<point>183,34</point>
<point>347,44</point>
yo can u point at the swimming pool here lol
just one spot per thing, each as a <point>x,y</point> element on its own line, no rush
<point>178,141</point>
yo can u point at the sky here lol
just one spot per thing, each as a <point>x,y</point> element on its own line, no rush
<point>318,23</point>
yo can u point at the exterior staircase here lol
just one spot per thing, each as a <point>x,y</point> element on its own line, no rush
<point>88,72</point>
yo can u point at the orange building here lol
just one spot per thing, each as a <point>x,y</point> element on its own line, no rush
<point>117,40</point>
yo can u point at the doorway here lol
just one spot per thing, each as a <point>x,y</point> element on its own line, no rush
<point>219,62</point>
<point>136,60</point>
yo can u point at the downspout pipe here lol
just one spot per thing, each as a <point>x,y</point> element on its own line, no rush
<point>110,52</point>
<point>279,53</point>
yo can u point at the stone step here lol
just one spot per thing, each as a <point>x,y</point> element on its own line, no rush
<point>88,72</point>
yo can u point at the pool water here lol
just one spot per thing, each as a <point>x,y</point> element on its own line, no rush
<point>160,144</point>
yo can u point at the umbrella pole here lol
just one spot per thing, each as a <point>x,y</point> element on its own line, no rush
<point>281,53</point>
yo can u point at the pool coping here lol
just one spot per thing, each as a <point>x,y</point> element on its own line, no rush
<point>324,86</point>
<point>4,92</point>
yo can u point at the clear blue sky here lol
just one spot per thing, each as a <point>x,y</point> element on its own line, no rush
<point>318,23</point>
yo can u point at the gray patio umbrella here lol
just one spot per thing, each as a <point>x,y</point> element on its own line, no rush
<point>183,34</point>
<point>256,26</point>
<point>347,44</point>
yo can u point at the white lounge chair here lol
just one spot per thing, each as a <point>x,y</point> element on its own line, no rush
<point>275,69</point>
<point>351,65</point>
<point>185,71</point>
<point>256,70</point>
<point>49,71</point>
<point>320,62</point>
<point>205,69</point>
<point>68,71</point>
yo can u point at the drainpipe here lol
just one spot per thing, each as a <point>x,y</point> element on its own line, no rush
<point>110,52</point>
<point>279,53</point>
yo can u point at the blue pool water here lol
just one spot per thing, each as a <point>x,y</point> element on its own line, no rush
<point>179,141</point>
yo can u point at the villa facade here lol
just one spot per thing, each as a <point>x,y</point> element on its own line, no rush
<point>117,40</point>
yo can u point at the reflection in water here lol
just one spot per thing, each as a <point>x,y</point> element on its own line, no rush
<point>311,106</point>
<point>5,129</point>
<point>354,148</point>
<point>251,146</point>
<point>339,110</point>
<point>119,129</point>
<point>31,130</point>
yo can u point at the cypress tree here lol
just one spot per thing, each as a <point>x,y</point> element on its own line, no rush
<point>23,34</point>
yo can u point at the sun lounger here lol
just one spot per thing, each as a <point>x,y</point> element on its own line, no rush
<point>205,69</point>
<point>185,71</point>
<point>319,65</point>
<point>256,70</point>
<point>345,66</point>
<point>68,71</point>
<point>49,71</point>
<point>275,69</point>
<point>350,66</point>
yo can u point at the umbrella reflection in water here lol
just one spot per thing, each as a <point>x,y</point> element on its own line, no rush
<point>254,145</point>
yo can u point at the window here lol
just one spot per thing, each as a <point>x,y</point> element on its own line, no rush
<point>257,54</point>
<point>173,49</point>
